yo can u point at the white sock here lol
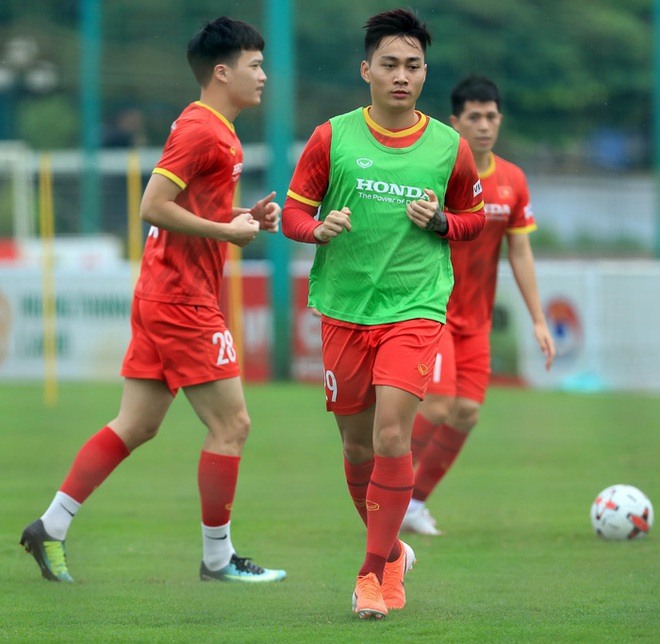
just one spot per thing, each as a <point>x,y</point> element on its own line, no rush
<point>218,549</point>
<point>415,505</point>
<point>57,518</point>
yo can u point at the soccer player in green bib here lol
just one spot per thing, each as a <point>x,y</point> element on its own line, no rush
<point>380,191</point>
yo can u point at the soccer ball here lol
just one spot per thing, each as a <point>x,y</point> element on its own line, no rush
<point>621,512</point>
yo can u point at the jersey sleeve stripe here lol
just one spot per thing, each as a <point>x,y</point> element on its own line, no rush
<point>302,199</point>
<point>171,177</point>
<point>475,209</point>
<point>521,231</point>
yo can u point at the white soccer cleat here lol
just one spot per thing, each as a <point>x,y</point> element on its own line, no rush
<point>419,521</point>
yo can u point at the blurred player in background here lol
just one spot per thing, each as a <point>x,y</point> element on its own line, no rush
<point>392,186</point>
<point>179,338</point>
<point>462,365</point>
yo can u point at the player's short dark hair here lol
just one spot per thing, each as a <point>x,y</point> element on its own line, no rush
<point>398,22</point>
<point>475,87</point>
<point>218,42</point>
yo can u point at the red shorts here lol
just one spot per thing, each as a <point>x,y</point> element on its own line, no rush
<point>462,366</point>
<point>180,344</point>
<point>358,358</point>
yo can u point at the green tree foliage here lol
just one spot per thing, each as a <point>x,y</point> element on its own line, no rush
<point>49,123</point>
<point>566,68</point>
<point>563,66</point>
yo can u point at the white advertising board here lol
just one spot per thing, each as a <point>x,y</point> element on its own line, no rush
<point>92,324</point>
<point>604,316</point>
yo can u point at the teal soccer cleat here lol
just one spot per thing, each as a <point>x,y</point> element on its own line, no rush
<point>49,553</point>
<point>241,569</point>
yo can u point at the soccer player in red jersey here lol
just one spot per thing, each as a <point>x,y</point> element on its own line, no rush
<point>179,338</point>
<point>462,365</point>
<point>391,186</point>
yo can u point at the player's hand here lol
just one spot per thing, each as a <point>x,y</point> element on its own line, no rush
<point>267,213</point>
<point>242,229</point>
<point>335,223</point>
<point>427,214</point>
<point>547,344</point>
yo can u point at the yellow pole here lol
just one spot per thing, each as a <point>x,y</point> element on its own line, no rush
<point>134,194</point>
<point>235,292</point>
<point>49,314</point>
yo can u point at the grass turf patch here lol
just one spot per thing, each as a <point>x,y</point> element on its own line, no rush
<point>519,562</point>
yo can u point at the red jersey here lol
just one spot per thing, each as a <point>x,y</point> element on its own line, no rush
<point>508,211</point>
<point>312,175</point>
<point>204,157</point>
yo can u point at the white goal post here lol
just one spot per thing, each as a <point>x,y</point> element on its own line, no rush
<point>16,166</point>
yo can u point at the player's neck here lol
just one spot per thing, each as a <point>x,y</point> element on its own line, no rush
<point>482,160</point>
<point>219,104</point>
<point>393,120</point>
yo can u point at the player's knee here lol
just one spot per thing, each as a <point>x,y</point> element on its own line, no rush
<point>357,452</point>
<point>236,429</point>
<point>466,415</point>
<point>150,431</point>
<point>391,442</point>
<point>134,435</point>
<point>227,435</point>
<point>437,408</point>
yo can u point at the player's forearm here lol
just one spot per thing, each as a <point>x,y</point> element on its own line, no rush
<point>174,218</point>
<point>168,215</point>
<point>464,226</point>
<point>522,266</point>
<point>298,222</point>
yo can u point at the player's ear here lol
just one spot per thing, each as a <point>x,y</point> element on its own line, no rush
<point>453,120</point>
<point>365,71</point>
<point>220,72</point>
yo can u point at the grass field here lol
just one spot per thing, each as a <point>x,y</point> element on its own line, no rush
<point>519,562</point>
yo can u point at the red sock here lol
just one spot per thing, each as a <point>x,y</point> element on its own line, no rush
<point>217,476</point>
<point>388,496</point>
<point>358,476</point>
<point>422,431</point>
<point>93,464</point>
<point>440,453</point>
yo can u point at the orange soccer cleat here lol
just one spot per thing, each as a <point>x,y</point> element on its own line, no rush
<point>394,592</point>
<point>368,600</point>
